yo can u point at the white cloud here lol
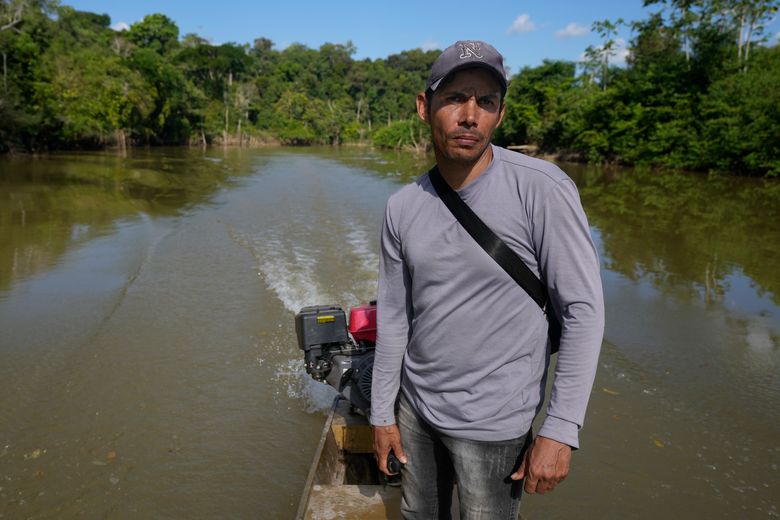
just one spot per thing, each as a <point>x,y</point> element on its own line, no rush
<point>522,24</point>
<point>573,30</point>
<point>619,57</point>
<point>430,45</point>
<point>621,52</point>
<point>120,26</point>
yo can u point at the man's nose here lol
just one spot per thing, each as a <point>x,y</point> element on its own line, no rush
<point>469,112</point>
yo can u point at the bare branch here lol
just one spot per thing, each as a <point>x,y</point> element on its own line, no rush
<point>11,24</point>
<point>16,18</point>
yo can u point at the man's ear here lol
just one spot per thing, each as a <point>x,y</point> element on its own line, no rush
<point>501,115</point>
<point>422,106</point>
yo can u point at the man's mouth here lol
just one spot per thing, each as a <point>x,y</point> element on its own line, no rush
<point>466,139</point>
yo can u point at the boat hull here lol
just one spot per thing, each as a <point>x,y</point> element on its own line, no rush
<point>343,481</point>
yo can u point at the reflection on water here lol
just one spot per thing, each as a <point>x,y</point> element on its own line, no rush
<point>50,204</point>
<point>688,382</point>
<point>148,365</point>
<point>686,233</point>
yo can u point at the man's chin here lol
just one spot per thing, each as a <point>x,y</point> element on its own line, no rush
<point>466,154</point>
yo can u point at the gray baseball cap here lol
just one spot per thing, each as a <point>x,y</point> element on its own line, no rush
<point>466,54</point>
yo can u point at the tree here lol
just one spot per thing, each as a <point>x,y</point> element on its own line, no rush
<point>695,92</point>
<point>536,102</point>
<point>294,121</point>
<point>751,18</point>
<point>745,20</point>
<point>105,103</point>
<point>607,30</point>
<point>171,115</point>
<point>156,32</point>
<point>742,118</point>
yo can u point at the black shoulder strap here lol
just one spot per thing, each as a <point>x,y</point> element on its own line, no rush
<point>489,241</point>
<point>497,249</point>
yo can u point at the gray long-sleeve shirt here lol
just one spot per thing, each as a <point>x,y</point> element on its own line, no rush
<point>465,343</point>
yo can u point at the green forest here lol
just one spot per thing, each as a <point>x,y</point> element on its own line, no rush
<point>700,89</point>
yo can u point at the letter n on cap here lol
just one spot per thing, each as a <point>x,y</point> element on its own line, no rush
<point>470,50</point>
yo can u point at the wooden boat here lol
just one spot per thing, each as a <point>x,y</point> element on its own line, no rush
<point>344,481</point>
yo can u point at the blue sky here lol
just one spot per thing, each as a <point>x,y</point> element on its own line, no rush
<point>526,32</point>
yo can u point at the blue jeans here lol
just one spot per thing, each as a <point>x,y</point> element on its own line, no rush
<point>481,470</point>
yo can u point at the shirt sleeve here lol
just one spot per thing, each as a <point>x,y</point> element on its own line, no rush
<point>393,323</point>
<point>570,268</point>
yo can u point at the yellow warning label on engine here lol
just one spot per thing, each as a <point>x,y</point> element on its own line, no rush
<point>326,319</point>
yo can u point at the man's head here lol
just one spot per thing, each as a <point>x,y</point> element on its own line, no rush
<point>464,100</point>
<point>463,55</point>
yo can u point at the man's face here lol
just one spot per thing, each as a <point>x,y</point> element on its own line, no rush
<point>463,114</point>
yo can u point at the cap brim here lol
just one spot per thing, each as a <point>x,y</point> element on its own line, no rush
<point>503,82</point>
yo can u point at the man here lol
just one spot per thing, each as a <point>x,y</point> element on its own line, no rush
<point>466,345</point>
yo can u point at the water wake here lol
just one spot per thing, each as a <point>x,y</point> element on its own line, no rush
<point>364,286</point>
<point>288,263</point>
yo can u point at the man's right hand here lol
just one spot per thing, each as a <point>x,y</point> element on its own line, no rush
<point>387,438</point>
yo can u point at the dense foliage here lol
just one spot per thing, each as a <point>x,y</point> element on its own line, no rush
<point>694,93</point>
<point>697,91</point>
<point>69,80</point>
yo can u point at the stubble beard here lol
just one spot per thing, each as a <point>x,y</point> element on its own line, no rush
<point>467,159</point>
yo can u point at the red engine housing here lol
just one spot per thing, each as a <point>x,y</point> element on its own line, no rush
<point>362,323</point>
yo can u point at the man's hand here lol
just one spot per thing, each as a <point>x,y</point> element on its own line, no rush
<point>387,438</point>
<point>545,465</point>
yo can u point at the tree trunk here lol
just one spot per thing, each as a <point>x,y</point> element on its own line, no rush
<point>121,140</point>
<point>5,73</point>
<point>740,37</point>
<point>227,123</point>
<point>225,97</point>
<point>751,28</point>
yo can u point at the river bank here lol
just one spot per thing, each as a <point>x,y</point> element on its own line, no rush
<point>266,142</point>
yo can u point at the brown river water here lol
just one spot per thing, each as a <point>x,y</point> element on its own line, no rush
<point>149,367</point>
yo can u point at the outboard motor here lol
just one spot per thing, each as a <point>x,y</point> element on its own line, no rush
<point>336,355</point>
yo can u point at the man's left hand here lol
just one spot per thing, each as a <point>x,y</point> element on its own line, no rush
<point>545,465</point>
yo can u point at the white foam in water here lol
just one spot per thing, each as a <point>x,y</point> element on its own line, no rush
<point>293,282</point>
<point>319,396</point>
<point>299,385</point>
<point>758,336</point>
<point>288,269</point>
<point>357,238</point>
<point>364,288</point>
